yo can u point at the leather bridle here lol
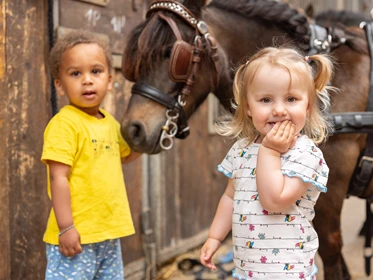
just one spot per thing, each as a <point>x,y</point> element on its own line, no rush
<point>183,67</point>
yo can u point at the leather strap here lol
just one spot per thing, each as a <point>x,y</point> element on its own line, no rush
<point>353,122</point>
<point>154,94</point>
<point>167,101</point>
<point>172,24</point>
<point>174,7</point>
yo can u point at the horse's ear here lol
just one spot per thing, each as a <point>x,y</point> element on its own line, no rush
<point>309,10</point>
<point>195,6</point>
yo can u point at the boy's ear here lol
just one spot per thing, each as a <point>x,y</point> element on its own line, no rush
<point>58,86</point>
<point>110,84</point>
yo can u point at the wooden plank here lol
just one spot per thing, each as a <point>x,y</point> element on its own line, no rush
<point>202,185</point>
<point>116,19</point>
<point>182,246</point>
<point>26,112</point>
<point>134,270</point>
<point>96,2</point>
<point>4,130</point>
<point>61,30</point>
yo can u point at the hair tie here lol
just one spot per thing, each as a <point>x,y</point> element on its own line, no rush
<point>247,62</point>
<point>307,58</point>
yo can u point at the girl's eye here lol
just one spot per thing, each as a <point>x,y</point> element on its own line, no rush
<point>75,74</point>
<point>265,100</point>
<point>291,99</point>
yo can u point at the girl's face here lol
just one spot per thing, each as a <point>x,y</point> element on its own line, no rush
<point>84,77</point>
<point>272,98</point>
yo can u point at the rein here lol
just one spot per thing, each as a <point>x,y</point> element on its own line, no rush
<point>183,67</point>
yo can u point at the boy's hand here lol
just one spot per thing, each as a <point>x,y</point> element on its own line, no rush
<point>281,137</point>
<point>69,243</point>
<point>207,252</point>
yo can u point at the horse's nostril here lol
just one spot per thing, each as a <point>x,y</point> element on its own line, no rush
<point>136,133</point>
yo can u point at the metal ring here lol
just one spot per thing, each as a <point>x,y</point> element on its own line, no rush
<point>163,144</point>
<point>170,116</point>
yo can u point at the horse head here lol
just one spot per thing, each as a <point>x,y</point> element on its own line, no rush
<point>174,62</point>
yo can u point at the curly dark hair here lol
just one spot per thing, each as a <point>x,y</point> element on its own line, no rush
<point>70,40</point>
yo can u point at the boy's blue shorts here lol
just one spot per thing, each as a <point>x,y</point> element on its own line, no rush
<point>101,260</point>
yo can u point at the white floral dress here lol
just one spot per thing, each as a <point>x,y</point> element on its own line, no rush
<point>270,245</point>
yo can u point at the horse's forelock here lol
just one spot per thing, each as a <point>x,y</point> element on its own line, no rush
<point>130,55</point>
<point>152,39</point>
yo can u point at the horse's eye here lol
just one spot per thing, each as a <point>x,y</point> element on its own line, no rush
<point>167,53</point>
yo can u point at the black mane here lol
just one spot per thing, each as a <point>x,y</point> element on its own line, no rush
<point>348,18</point>
<point>279,14</point>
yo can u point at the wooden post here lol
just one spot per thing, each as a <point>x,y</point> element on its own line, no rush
<point>25,110</point>
<point>4,187</point>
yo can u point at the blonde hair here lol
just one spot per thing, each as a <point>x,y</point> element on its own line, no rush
<point>318,123</point>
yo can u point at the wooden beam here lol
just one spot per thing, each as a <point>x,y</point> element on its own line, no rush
<point>25,111</point>
<point>4,126</point>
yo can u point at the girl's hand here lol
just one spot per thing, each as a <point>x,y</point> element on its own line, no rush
<point>207,252</point>
<point>281,137</point>
<point>69,243</point>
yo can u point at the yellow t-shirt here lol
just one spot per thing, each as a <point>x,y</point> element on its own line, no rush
<point>93,148</point>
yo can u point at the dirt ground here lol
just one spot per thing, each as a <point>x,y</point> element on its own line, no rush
<point>172,272</point>
<point>353,217</point>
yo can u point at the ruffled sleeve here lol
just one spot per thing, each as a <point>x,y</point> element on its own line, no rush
<point>306,161</point>
<point>227,165</point>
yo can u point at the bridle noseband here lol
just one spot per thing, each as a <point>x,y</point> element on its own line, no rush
<point>183,67</point>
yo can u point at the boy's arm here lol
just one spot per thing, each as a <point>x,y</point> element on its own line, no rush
<point>69,241</point>
<point>60,190</point>
<point>220,227</point>
<point>131,157</point>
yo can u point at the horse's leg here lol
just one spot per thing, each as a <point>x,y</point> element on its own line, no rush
<point>328,227</point>
<point>341,152</point>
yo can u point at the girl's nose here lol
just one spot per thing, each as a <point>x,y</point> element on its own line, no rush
<point>279,110</point>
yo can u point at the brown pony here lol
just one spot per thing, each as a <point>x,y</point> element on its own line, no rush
<point>176,78</point>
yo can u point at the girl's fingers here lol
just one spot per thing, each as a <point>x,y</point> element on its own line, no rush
<point>275,128</point>
<point>283,128</point>
<point>292,132</point>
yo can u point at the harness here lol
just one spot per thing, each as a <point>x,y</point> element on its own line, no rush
<point>355,122</point>
<point>183,67</point>
<point>363,172</point>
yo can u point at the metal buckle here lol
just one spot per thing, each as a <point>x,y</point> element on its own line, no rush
<point>365,158</point>
<point>202,27</point>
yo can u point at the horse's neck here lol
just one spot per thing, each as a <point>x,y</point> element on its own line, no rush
<point>238,39</point>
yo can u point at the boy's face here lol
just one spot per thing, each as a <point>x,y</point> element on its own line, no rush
<point>84,77</point>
